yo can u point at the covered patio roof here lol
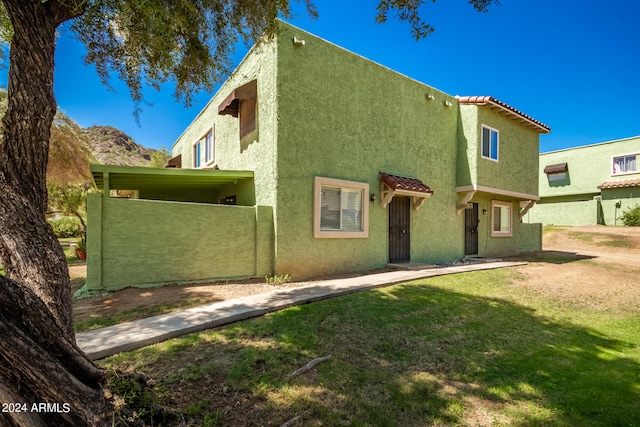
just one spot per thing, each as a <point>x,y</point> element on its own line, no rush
<point>143,178</point>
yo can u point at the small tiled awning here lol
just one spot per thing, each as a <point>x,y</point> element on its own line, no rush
<point>394,185</point>
<point>620,184</point>
<point>559,168</point>
<point>231,104</point>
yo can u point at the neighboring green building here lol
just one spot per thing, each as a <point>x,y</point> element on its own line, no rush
<point>586,185</point>
<point>352,166</point>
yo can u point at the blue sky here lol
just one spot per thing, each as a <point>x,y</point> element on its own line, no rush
<point>574,68</point>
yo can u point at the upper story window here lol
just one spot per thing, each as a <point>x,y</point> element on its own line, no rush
<point>242,103</point>
<point>203,150</point>
<point>555,177</point>
<point>208,147</point>
<point>625,164</point>
<point>490,142</point>
<point>557,172</point>
<point>340,209</point>
<point>197,154</point>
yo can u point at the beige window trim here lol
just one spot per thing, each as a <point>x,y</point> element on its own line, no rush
<point>331,183</point>
<point>502,205</point>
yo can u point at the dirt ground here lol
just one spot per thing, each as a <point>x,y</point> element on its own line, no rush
<point>594,265</point>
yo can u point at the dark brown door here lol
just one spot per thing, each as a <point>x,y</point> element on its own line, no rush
<point>471,230</point>
<point>399,229</point>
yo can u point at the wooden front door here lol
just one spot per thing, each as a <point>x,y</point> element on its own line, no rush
<point>399,229</point>
<point>471,230</point>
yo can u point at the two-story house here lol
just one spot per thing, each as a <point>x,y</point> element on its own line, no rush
<point>592,184</point>
<point>312,160</point>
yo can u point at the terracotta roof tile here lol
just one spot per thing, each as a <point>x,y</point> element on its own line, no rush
<point>507,109</point>
<point>402,183</point>
<point>620,184</point>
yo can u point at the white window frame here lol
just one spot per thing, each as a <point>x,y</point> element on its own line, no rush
<point>613,163</point>
<point>197,154</point>
<point>209,146</point>
<point>501,205</point>
<point>318,184</point>
<point>497,150</point>
<point>207,154</point>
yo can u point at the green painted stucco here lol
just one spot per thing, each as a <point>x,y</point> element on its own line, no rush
<point>148,242</point>
<point>324,111</point>
<point>571,201</point>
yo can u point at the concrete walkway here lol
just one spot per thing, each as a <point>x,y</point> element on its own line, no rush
<point>105,342</point>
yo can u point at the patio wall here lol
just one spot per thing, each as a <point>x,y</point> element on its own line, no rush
<point>148,243</point>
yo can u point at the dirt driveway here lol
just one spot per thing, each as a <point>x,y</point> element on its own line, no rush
<point>595,266</point>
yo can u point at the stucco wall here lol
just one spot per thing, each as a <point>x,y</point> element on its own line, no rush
<point>517,166</point>
<point>628,198</point>
<point>589,166</point>
<point>565,211</point>
<point>145,242</point>
<point>530,237</point>
<point>570,201</point>
<point>256,152</point>
<point>342,116</point>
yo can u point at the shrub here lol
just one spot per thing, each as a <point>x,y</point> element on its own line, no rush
<point>66,227</point>
<point>631,217</point>
<point>278,280</point>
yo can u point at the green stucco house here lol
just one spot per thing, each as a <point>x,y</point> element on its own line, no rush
<point>312,160</point>
<point>588,185</point>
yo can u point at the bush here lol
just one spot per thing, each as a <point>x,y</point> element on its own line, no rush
<point>631,217</point>
<point>66,227</point>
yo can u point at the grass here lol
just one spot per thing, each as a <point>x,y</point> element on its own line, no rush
<point>468,349</point>
<point>611,240</point>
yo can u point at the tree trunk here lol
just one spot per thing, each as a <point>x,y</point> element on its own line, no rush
<point>39,360</point>
<point>28,247</point>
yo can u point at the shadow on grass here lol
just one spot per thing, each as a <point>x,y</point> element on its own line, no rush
<point>555,257</point>
<point>407,355</point>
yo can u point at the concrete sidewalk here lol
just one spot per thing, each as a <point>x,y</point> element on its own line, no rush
<point>105,342</point>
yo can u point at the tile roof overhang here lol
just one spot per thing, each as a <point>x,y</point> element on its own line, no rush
<point>162,179</point>
<point>620,184</point>
<point>558,168</point>
<point>403,186</point>
<point>505,109</point>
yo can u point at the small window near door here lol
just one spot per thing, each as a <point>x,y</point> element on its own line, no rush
<point>340,209</point>
<point>501,222</point>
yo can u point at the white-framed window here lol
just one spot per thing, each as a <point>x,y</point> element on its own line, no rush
<point>501,219</point>
<point>340,209</point>
<point>204,150</point>
<point>197,154</point>
<point>490,143</point>
<point>627,163</point>
<point>209,147</point>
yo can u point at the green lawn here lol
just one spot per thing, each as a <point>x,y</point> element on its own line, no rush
<point>467,349</point>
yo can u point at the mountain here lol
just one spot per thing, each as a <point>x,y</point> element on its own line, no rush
<point>72,148</point>
<point>111,146</point>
